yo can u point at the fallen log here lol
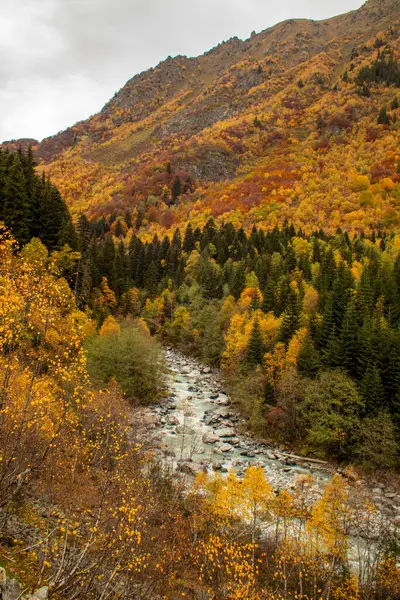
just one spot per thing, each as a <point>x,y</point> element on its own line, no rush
<point>315,461</point>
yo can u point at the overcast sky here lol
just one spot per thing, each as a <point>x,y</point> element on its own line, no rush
<point>61,60</point>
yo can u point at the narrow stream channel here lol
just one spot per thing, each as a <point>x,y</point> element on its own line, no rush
<point>201,431</point>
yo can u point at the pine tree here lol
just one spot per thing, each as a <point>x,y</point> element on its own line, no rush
<point>372,390</point>
<point>290,260</point>
<point>366,350</point>
<point>121,271</point>
<point>349,337</point>
<point>328,325</point>
<point>151,279</point>
<point>342,292</point>
<point>176,188</point>
<point>238,281</point>
<point>256,347</point>
<point>108,260</point>
<point>308,360</point>
<point>383,118</point>
<point>119,231</point>
<point>83,233</point>
<point>55,224</point>
<point>189,242</point>
<point>16,209</point>
<point>291,318</point>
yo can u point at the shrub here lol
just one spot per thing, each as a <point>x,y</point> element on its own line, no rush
<point>134,360</point>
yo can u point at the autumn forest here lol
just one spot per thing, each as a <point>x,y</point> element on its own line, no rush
<point>239,211</point>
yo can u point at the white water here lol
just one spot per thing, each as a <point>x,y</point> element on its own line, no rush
<point>196,398</point>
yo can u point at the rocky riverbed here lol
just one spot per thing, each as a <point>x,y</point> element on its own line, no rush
<point>196,428</point>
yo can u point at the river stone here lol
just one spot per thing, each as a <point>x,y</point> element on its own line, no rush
<point>225,433</point>
<point>194,374</point>
<point>210,438</point>
<point>190,468</point>
<point>223,412</point>
<point>248,453</point>
<point>170,453</point>
<point>212,419</point>
<point>226,448</point>
<point>184,429</point>
<point>150,419</point>
<point>224,402</point>
<point>172,420</point>
<point>11,590</point>
<point>41,594</point>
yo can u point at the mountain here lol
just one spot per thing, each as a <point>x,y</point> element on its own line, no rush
<point>284,125</point>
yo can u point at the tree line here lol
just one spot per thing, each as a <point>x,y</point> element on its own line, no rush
<point>333,301</point>
<point>30,205</point>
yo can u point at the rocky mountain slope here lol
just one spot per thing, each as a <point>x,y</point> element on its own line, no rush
<point>275,127</point>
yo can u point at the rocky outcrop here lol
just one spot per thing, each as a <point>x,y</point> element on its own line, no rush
<point>11,589</point>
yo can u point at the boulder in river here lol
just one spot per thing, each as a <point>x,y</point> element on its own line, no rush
<point>223,412</point>
<point>226,448</point>
<point>184,429</point>
<point>248,453</point>
<point>225,433</point>
<point>150,420</point>
<point>172,420</point>
<point>212,419</point>
<point>224,401</point>
<point>210,438</point>
<point>217,466</point>
<point>190,468</point>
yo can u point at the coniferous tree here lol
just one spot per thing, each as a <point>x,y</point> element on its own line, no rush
<point>372,390</point>
<point>349,336</point>
<point>108,260</point>
<point>327,329</point>
<point>256,347</point>
<point>120,271</point>
<point>238,281</point>
<point>16,209</point>
<point>119,232</point>
<point>291,317</point>
<point>176,188</point>
<point>151,279</point>
<point>383,118</point>
<point>83,233</point>
<point>308,360</point>
<point>189,241</point>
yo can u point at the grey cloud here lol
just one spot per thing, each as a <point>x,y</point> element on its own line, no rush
<point>61,60</point>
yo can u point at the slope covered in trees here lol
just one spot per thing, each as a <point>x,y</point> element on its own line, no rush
<point>311,321</point>
<point>86,514</point>
<point>299,122</point>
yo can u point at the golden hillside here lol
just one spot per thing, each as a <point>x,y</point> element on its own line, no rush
<point>280,126</point>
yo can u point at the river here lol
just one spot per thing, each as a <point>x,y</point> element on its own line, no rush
<point>198,429</point>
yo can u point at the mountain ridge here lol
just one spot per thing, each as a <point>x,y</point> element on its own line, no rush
<point>220,117</point>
